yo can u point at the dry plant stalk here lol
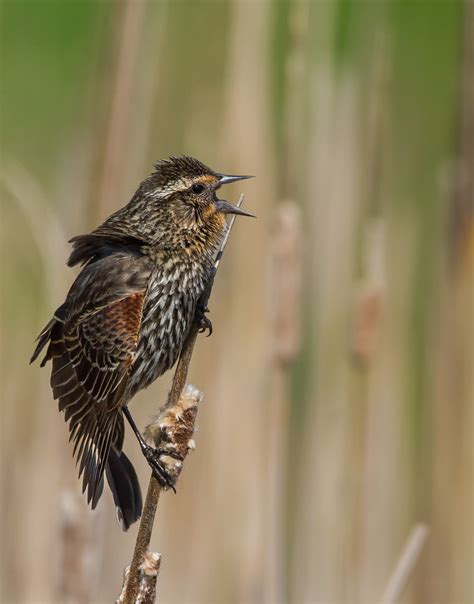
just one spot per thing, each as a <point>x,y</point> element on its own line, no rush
<point>405,564</point>
<point>115,136</point>
<point>287,274</point>
<point>285,330</point>
<point>171,431</point>
<point>73,580</point>
<point>149,570</point>
<point>171,435</point>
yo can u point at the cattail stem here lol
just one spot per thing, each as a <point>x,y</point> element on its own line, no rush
<point>143,540</point>
<point>145,529</point>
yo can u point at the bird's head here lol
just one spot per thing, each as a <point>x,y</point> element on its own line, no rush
<point>190,188</point>
<point>179,205</point>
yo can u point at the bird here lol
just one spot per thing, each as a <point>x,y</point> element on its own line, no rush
<point>144,275</point>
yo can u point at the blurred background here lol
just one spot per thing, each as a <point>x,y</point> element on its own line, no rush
<point>338,382</point>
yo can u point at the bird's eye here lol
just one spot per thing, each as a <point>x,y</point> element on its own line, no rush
<point>197,188</point>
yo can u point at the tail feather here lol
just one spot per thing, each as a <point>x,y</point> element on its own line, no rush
<point>123,483</point>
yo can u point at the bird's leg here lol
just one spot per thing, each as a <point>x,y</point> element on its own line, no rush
<point>203,322</point>
<point>151,455</point>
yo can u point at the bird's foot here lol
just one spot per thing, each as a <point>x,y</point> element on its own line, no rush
<point>153,458</point>
<point>204,323</point>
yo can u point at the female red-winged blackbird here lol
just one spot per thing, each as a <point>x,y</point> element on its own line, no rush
<point>127,314</point>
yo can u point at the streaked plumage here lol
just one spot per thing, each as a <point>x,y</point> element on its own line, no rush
<point>126,316</point>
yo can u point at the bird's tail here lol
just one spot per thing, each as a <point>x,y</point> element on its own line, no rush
<point>123,483</point>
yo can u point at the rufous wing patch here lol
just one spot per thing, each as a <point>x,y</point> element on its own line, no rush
<point>124,318</point>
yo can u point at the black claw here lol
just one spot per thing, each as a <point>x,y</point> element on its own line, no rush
<point>163,452</point>
<point>153,458</point>
<point>151,455</point>
<point>204,323</point>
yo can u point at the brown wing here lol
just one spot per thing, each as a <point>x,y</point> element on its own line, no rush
<point>101,348</point>
<point>92,346</point>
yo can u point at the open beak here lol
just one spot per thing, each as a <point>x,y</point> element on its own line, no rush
<point>227,208</point>
<point>224,206</point>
